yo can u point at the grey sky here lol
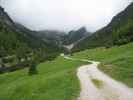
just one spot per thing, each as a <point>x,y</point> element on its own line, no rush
<point>63,14</point>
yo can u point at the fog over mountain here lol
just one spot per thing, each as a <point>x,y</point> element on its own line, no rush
<point>64,15</point>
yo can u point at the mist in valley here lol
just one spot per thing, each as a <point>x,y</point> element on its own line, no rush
<point>63,15</point>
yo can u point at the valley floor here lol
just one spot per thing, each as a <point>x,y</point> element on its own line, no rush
<point>56,80</point>
<point>95,85</point>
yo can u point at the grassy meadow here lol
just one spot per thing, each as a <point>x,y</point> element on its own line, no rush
<point>56,80</point>
<point>116,61</point>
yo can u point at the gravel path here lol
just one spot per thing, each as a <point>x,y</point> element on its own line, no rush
<point>95,85</point>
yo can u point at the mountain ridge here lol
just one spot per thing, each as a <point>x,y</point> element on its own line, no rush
<point>19,47</point>
<point>106,36</point>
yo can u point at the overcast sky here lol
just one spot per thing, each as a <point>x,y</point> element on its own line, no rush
<point>63,14</point>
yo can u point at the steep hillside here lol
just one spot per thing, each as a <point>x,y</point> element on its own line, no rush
<point>10,39</point>
<point>51,36</point>
<point>74,36</point>
<point>18,45</point>
<point>118,31</point>
<point>61,38</point>
<point>48,39</point>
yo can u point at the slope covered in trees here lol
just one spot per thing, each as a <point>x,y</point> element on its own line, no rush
<point>118,31</point>
<point>74,36</point>
<point>18,47</point>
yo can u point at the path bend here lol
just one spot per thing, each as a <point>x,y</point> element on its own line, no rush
<point>96,85</point>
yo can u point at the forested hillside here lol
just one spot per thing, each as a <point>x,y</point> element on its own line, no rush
<point>75,35</point>
<point>118,31</point>
<point>18,47</point>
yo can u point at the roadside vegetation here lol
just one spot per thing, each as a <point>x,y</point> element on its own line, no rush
<point>116,61</point>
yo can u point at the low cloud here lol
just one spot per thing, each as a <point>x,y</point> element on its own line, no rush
<point>63,14</point>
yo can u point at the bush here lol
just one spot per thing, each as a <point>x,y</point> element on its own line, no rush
<point>32,69</point>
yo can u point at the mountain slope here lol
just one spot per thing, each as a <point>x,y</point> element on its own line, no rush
<point>74,36</point>
<point>11,30</point>
<point>18,44</point>
<point>51,36</point>
<point>9,38</point>
<point>43,38</point>
<point>118,30</point>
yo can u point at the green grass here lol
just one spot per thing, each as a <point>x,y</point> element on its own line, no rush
<point>98,83</point>
<point>116,61</point>
<point>56,81</point>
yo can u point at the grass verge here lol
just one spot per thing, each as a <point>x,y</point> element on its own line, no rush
<point>116,61</point>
